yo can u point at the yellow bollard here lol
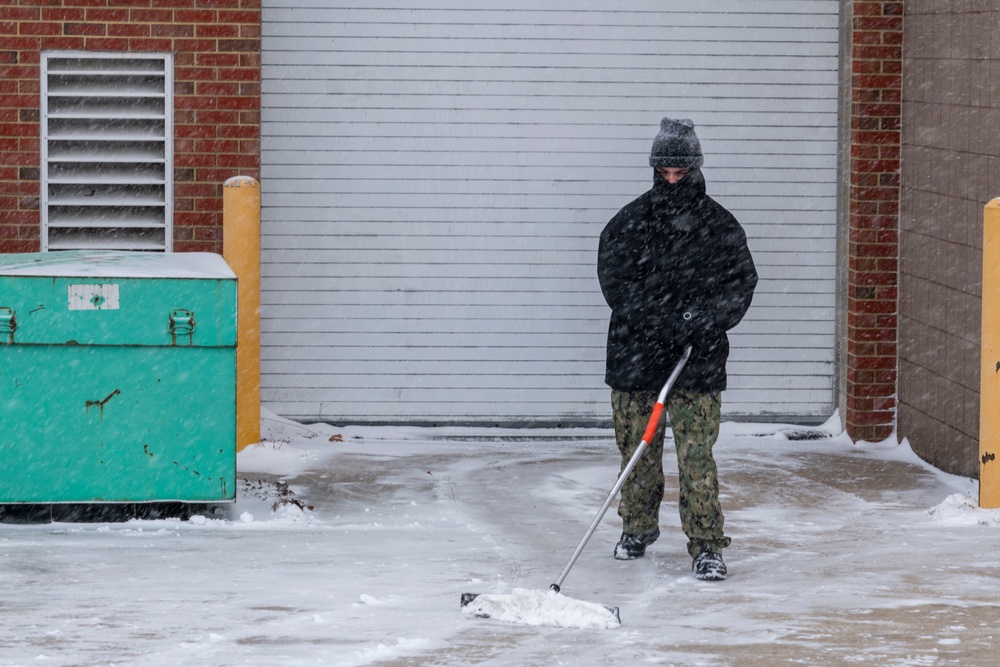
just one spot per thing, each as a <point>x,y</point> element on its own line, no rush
<point>989,372</point>
<point>241,250</point>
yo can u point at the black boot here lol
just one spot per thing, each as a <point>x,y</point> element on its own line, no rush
<point>630,547</point>
<point>709,566</point>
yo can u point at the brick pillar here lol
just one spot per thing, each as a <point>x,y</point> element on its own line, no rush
<point>19,147</point>
<point>873,261</point>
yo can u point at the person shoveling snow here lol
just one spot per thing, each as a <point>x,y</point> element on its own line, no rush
<point>551,608</point>
<point>676,270</point>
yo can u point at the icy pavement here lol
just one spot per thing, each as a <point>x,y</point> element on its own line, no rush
<point>841,554</point>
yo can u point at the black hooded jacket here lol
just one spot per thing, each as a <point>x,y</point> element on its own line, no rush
<point>673,250</point>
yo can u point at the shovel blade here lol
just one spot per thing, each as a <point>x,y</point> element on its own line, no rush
<point>541,608</point>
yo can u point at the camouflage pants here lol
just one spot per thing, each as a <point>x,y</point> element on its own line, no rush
<point>694,419</point>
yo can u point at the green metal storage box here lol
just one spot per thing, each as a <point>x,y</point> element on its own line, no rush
<point>117,378</point>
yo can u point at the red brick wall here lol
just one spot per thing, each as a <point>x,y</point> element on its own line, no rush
<point>216,47</point>
<point>872,289</point>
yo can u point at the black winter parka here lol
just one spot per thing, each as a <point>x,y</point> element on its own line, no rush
<point>673,250</point>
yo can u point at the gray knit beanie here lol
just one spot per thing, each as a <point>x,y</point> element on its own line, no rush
<point>676,145</point>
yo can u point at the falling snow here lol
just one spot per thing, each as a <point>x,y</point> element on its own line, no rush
<point>352,546</point>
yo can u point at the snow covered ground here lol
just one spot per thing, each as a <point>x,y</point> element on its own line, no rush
<point>842,554</point>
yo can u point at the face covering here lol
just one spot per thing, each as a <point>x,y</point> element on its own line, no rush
<point>669,197</point>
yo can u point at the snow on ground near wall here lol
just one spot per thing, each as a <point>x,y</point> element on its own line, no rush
<point>352,546</point>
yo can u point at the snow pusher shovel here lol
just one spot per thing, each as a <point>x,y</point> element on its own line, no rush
<point>549,607</point>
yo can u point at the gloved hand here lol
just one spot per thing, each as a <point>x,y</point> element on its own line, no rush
<point>694,325</point>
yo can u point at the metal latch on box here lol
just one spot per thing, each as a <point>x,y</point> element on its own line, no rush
<point>181,327</point>
<point>8,323</point>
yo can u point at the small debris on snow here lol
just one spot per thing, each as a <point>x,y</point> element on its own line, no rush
<point>246,517</point>
<point>277,493</point>
<point>804,434</point>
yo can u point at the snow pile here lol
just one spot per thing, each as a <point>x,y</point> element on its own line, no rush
<point>288,448</point>
<point>830,430</point>
<point>961,510</point>
<point>383,652</point>
<point>534,607</point>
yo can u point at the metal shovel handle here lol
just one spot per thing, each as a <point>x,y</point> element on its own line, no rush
<point>654,420</point>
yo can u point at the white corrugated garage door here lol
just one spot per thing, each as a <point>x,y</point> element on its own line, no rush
<point>435,177</point>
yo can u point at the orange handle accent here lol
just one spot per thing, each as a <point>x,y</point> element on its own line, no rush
<point>654,420</point>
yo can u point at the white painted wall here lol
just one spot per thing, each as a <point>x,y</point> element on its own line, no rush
<point>434,183</point>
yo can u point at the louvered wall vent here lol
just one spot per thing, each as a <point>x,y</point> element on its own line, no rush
<point>106,148</point>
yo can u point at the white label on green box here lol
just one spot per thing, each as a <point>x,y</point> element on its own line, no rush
<point>93,297</point>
